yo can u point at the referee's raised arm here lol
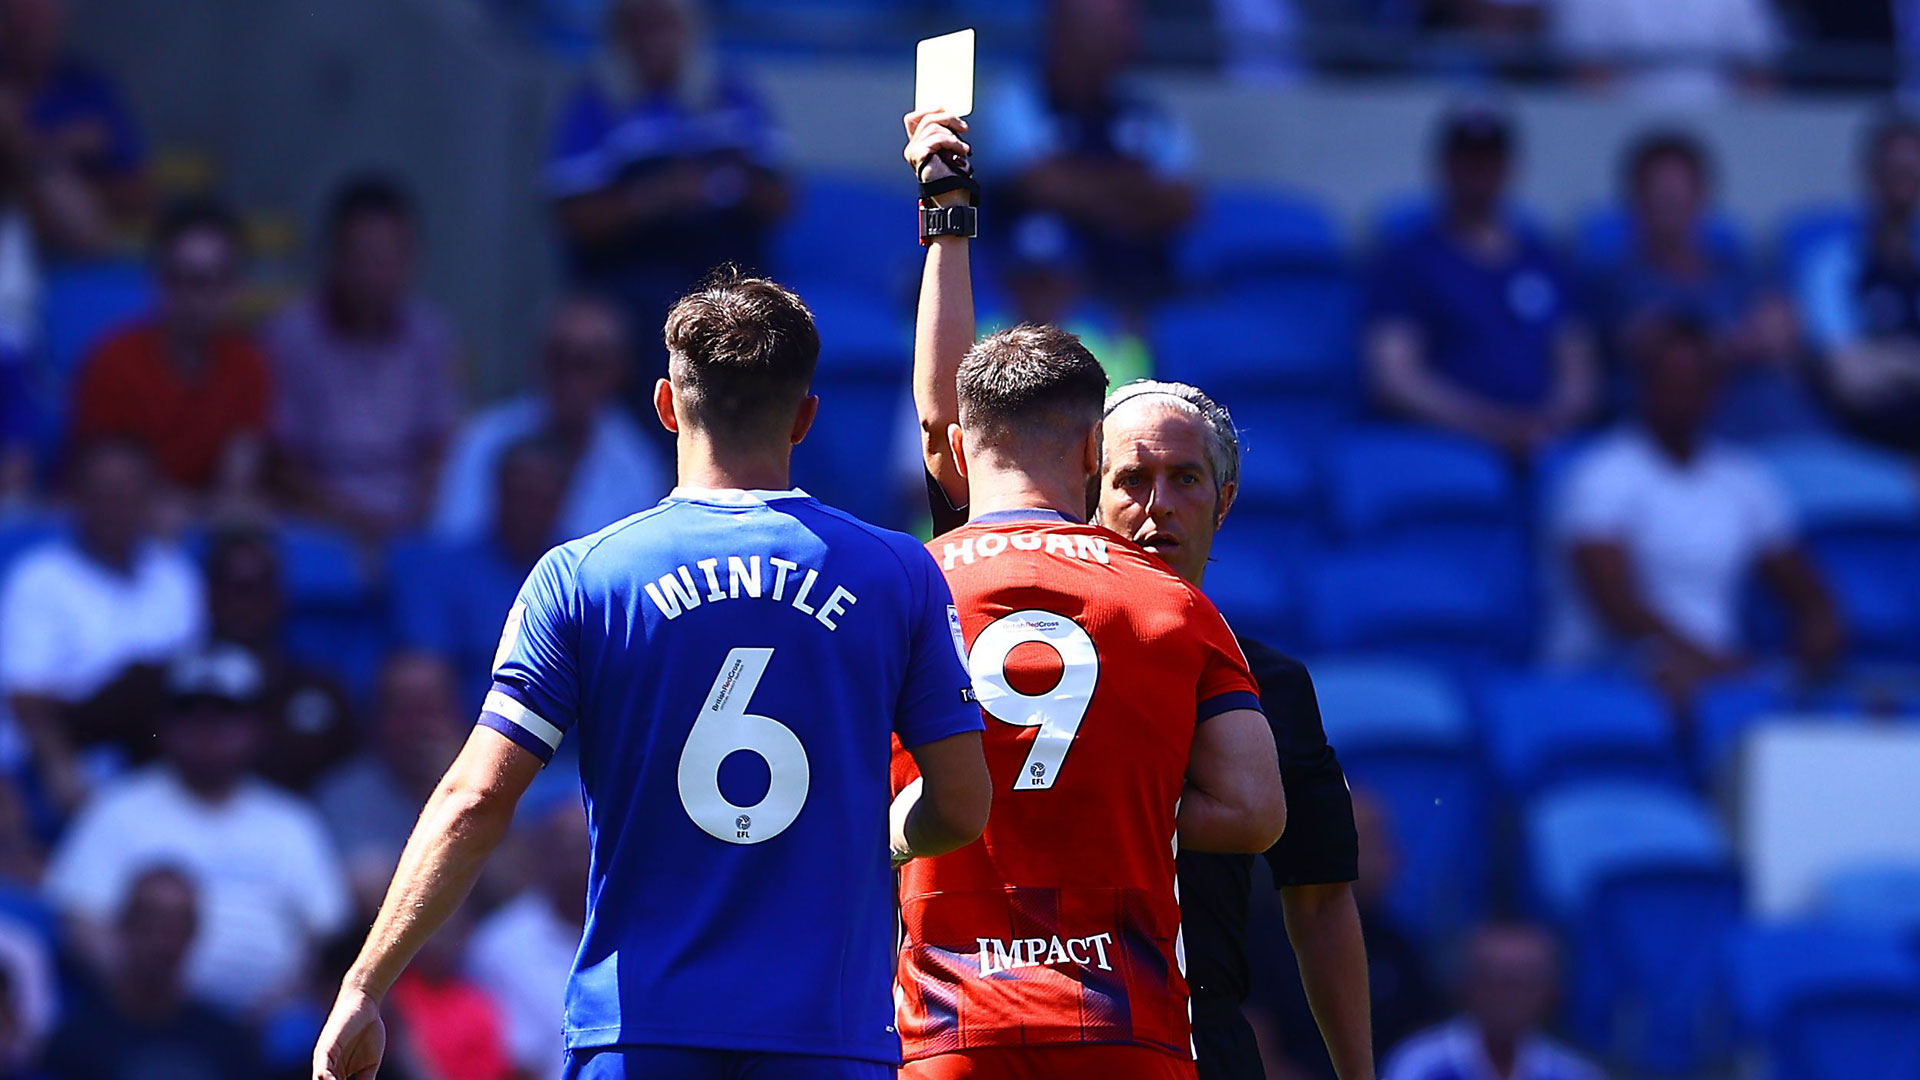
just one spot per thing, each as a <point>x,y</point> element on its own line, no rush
<point>944,325</point>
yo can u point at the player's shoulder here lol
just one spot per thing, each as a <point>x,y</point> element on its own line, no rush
<point>908,551</point>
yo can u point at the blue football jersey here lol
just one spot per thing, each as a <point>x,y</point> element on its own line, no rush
<point>731,666</point>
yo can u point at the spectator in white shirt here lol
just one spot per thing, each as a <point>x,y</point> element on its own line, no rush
<point>85,619</point>
<point>1672,52</point>
<point>272,891</point>
<point>1509,983</point>
<point>1662,528</point>
<point>613,468</point>
<point>523,952</point>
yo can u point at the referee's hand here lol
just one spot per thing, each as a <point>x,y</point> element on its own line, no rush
<point>353,1040</point>
<point>934,148</point>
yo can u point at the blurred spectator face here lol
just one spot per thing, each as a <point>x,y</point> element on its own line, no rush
<point>113,498</point>
<point>1046,276</point>
<point>212,742</point>
<point>561,863</point>
<point>586,361</point>
<point>533,484</point>
<point>656,36</point>
<point>1678,383</point>
<point>1473,180</point>
<point>1895,172</point>
<point>32,34</point>
<point>372,270</point>
<point>417,729</point>
<point>1091,42</point>
<point>1669,193</point>
<point>1509,981</point>
<point>1157,487</point>
<point>243,592</point>
<point>157,925</point>
<point>198,272</point>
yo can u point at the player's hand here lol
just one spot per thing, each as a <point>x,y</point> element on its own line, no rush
<point>353,1040</point>
<point>935,149</point>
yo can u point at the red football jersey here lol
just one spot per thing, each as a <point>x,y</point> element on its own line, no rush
<point>1093,663</point>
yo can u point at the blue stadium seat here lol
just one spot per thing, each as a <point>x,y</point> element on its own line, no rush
<point>332,615</point>
<point>852,232</point>
<point>859,333</point>
<point>1829,1002</point>
<point>1806,230</point>
<point>1723,712</point>
<point>1456,607</point>
<point>84,301</point>
<point>1245,233</point>
<point>1249,581</point>
<point>1276,337</point>
<point>1884,896</point>
<point>1277,474</point>
<point>1402,733</point>
<point>1383,479</point>
<point>1874,583</point>
<point>1641,877</point>
<point>1605,236</point>
<point>1544,730</point>
<point>847,460</point>
<point>1842,486</point>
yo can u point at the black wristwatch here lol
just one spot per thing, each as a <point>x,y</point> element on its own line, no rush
<point>937,221</point>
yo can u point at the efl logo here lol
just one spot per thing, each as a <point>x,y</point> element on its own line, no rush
<point>998,956</point>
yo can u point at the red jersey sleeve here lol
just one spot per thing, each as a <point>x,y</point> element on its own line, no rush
<point>1226,682</point>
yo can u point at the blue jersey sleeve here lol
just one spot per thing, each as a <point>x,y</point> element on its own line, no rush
<point>536,688</point>
<point>936,700</point>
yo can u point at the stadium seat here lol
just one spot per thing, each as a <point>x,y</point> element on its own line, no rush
<point>852,232</point>
<point>1605,236</point>
<point>1840,486</point>
<point>332,614</point>
<point>1277,474</point>
<point>1829,1002</point>
<point>1276,337</point>
<point>860,335</point>
<point>847,458</point>
<point>1402,733</point>
<point>1248,579</point>
<point>1806,230</point>
<point>1548,729</point>
<point>1873,581</point>
<point>1641,877</point>
<point>1383,479</point>
<point>1723,712</point>
<point>1454,607</point>
<point>1884,896</point>
<point>84,301</point>
<point>1245,233</point>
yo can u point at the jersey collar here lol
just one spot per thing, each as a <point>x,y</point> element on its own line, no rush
<point>734,496</point>
<point>1030,513</point>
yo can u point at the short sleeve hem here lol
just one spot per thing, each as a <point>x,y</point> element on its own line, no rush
<point>1228,702</point>
<point>505,713</point>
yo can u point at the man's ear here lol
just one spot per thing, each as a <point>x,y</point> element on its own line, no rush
<point>803,418</point>
<point>663,405</point>
<point>957,445</point>
<point>1228,493</point>
<point>1090,450</point>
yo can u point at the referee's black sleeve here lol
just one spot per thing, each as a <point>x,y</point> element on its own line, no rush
<point>1320,846</point>
<point>946,516</point>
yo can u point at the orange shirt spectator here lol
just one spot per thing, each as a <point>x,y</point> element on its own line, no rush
<point>188,420</point>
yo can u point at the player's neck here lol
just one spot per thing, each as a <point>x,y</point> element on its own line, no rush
<point>702,465</point>
<point>989,490</point>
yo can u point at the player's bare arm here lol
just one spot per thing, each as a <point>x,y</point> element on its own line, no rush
<point>463,822</point>
<point>943,328</point>
<point>1234,802</point>
<point>946,808</point>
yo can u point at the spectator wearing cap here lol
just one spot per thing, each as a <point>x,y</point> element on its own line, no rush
<point>1662,527</point>
<point>1672,266</point>
<point>364,371</point>
<point>523,952</point>
<point>72,142</point>
<point>370,802</point>
<point>613,469</point>
<point>186,382</point>
<point>308,722</point>
<point>452,607</point>
<point>271,890</point>
<point>1471,324</point>
<point>663,167</point>
<point>1082,143</point>
<point>138,1017</point>
<point>1509,985</point>
<point>86,618</point>
<point>1860,295</point>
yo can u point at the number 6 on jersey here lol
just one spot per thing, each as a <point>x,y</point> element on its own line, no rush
<point>1056,712</point>
<point>724,726</point>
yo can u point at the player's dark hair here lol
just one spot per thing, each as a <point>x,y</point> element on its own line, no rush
<point>1030,379</point>
<point>369,195</point>
<point>741,351</point>
<point>185,216</point>
<point>1666,144</point>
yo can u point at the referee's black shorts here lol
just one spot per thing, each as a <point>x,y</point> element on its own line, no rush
<point>1224,1040</point>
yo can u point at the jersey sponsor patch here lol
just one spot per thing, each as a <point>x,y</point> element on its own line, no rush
<point>959,637</point>
<point>510,633</point>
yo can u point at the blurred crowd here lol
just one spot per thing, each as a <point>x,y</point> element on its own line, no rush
<point>255,549</point>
